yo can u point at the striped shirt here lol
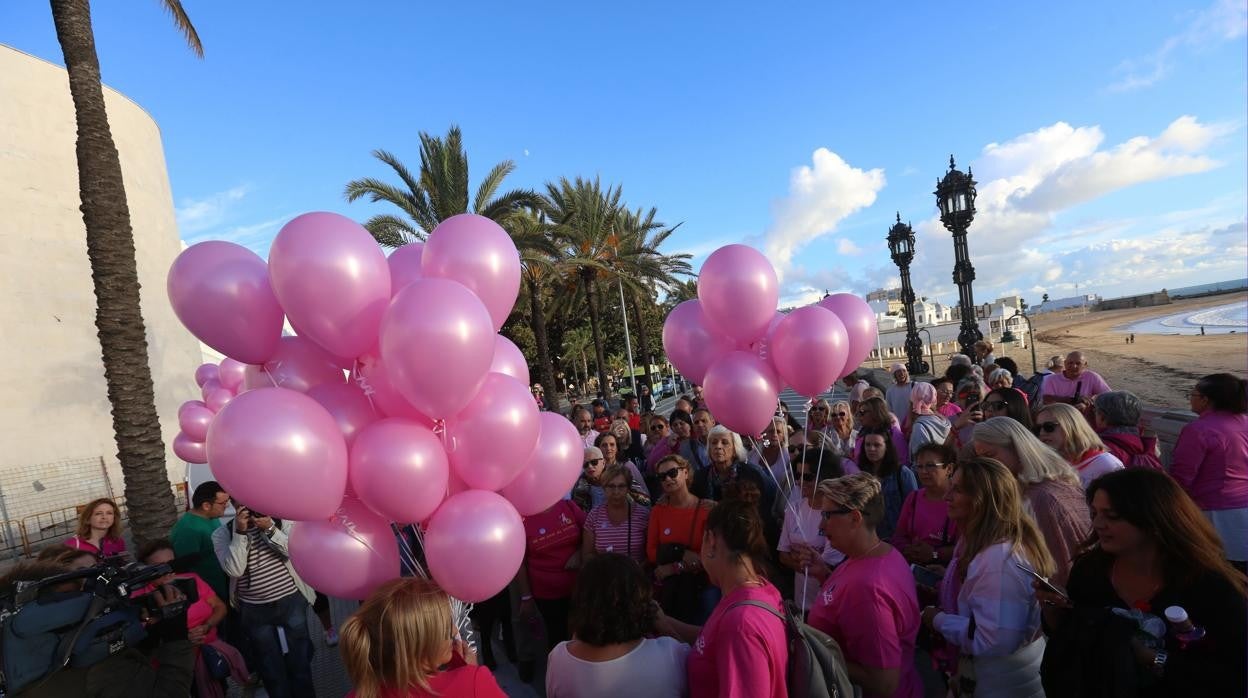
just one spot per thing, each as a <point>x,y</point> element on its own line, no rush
<point>266,579</point>
<point>626,538</point>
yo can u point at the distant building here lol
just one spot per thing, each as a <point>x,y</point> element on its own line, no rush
<point>1088,300</point>
<point>1143,300</point>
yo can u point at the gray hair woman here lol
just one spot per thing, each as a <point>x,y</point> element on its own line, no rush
<point>1116,417</point>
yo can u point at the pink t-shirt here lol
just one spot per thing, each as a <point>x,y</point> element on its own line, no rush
<point>743,651</point>
<point>552,537</point>
<point>949,410</point>
<point>627,538</point>
<point>868,605</point>
<point>1089,383</point>
<point>924,520</point>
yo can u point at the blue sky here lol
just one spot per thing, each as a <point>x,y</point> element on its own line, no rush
<point>1109,139</point>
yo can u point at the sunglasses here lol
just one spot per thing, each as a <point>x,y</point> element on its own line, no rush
<point>669,474</point>
<point>805,477</point>
<point>657,427</point>
<point>1047,427</point>
<point>592,463</point>
<point>818,409</point>
<point>996,404</point>
<point>619,486</point>
<point>829,513</point>
<point>840,414</point>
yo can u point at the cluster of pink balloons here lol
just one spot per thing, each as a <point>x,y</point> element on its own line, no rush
<point>734,342</point>
<point>218,385</point>
<point>433,425</point>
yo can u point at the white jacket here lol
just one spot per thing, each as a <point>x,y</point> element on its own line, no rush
<point>231,549</point>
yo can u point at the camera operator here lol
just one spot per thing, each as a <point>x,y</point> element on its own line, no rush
<point>272,600</point>
<point>161,667</point>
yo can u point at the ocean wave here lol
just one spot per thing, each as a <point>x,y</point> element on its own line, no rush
<point>1221,319</point>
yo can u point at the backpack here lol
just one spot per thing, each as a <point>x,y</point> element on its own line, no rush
<point>816,665</point>
<point>1031,387</point>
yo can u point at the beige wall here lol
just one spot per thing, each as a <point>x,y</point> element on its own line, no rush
<point>53,401</point>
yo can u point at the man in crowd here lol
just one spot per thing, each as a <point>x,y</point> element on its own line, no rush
<point>898,396</point>
<point>192,534</point>
<point>584,421</point>
<point>698,399</point>
<point>634,412</point>
<point>271,599</point>
<point>1075,385</point>
<point>694,450</point>
<point>647,400</point>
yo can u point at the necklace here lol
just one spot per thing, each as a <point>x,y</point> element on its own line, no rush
<point>1143,602</point>
<point>872,549</point>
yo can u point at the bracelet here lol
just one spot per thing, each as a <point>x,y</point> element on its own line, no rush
<point>526,597</point>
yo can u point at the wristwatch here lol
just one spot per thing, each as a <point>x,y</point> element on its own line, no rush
<point>1159,661</point>
<point>935,556</point>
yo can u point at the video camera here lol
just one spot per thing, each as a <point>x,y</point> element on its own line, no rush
<point>85,616</point>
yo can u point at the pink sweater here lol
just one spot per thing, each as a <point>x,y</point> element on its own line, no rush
<point>1210,461</point>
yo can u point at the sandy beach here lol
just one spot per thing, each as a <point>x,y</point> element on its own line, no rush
<point>1160,369</point>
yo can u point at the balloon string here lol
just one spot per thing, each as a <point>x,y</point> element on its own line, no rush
<point>349,527</point>
<point>440,431</point>
<point>364,385</point>
<point>265,367</point>
<point>409,557</point>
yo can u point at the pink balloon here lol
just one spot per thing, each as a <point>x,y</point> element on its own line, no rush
<point>478,253</point>
<point>279,452</point>
<point>399,469</point>
<point>231,374</point>
<point>347,555</point>
<point>474,545</point>
<point>194,418</point>
<point>689,342</point>
<point>492,437</point>
<point>437,344</point>
<point>741,392</point>
<point>809,349</point>
<point>552,468</point>
<point>348,405</point>
<point>299,365</point>
<point>405,265</point>
<point>218,399</point>
<point>454,484</point>
<point>332,279</point>
<point>739,291</point>
<point>373,378</point>
<point>860,327</point>
<point>206,372</point>
<point>209,387</point>
<point>189,450</point>
<point>509,360</point>
<point>221,293</point>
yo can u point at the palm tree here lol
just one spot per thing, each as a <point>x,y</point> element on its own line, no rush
<point>575,344</point>
<point>441,191</point>
<point>642,269</point>
<point>110,249</point>
<point>584,216</point>
<point>680,292</point>
<point>538,260</point>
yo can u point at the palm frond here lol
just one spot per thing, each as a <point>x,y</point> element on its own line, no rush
<point>491,183</point>
<point>183,23</point>
<point>392,231</point>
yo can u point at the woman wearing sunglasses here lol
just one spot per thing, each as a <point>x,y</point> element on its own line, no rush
<point>873,415</point>
<point>1065,430</point>
<point>1007,402</point>
<point>677,432</point>
<point>817,416</point>
<point>674,539</point>
<point>868,603</point>
<point>802,546</point>
<point>841,436</point>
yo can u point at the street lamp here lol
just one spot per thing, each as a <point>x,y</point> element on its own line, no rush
<point>955,196</point>
<point>1008,336</point>
<point>930,354</point>
<point>901,246</point>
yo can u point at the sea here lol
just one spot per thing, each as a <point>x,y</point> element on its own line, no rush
<point>1219,319</point>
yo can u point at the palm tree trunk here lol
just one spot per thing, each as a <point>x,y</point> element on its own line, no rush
<point>643,342</point>
<point>537,323</point>
<point>591,299</point>
<point>110,248</point>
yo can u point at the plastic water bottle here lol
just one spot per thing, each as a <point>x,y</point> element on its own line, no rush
<point>1184,631</point>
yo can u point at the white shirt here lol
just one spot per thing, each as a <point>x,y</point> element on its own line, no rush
<point>1096,466</point>
<point>653,669</point>
<point>801,527</point>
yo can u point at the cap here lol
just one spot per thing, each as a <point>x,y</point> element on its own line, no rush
<point>593,453</point>
<point>896,368</point>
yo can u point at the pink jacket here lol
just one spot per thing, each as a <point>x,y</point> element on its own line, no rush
<point>1210,460</point>
<point>108,546</point>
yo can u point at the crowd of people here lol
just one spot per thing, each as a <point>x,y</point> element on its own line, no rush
<point>980,533</point>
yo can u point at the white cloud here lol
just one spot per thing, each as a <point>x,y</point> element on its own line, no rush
<point>1225,20</point>
<point>194,215</point>
<point>847,246</point>
<point>821,195</point>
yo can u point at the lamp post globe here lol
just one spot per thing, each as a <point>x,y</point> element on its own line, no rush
<point>955,197</point>
<point>901,247</point>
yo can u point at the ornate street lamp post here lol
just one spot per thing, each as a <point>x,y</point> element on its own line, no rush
<point>901,246</point>
<point>955,195</point>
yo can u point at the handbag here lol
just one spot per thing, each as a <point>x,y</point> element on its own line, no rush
<point>216,663</point>
<point>679,594</point>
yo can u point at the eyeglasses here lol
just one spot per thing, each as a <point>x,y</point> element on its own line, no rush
<point>592,463</point>
<point>619,486</point>
<point>1047,427</point>
<point>669,474</point>
<point>996,404</point>
<point>929,466</point>
<point>805,477</point>
<point>829,513</point>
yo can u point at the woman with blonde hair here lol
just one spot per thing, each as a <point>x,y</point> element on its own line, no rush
<point>1065,430</point>
<point>1051,489</point>
<point>817,415</point>
<point>841,434</point>
<point>99,529</point>
<point>401,642</point>
<point>988,609</point>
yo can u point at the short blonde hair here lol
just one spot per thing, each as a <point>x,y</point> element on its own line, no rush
<point>397,638</point>
<point>1079,435</point>
<point>84,519</point>
<point>860,492</point>
<point>625,438</point>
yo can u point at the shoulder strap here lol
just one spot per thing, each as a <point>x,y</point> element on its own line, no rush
<point>759,604</point>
